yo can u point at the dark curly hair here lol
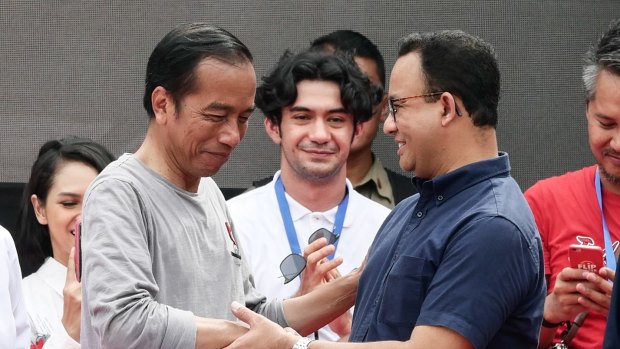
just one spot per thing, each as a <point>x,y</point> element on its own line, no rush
<point>32,239</point>
<point>279,88</point>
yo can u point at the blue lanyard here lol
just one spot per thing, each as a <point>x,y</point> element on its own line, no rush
<point>287,219</point>
<point>609,250</point>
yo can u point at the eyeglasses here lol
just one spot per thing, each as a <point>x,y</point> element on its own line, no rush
<point>293,264</point>
<point>392,107</point>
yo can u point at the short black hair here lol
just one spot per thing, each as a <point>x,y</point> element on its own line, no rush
<point>174,59</point>
<point>354,43</point>
<point>32,240</point>
<point>279,88</point>
<point>462,64</point>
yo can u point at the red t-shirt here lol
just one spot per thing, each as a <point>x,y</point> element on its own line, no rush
<point>566,212</point>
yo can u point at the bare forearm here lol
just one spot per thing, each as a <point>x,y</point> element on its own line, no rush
<point>422,337</point>
<point>547,334</point>
<point>312,311</point>
<point>216,334</point>
<point>369,345</point>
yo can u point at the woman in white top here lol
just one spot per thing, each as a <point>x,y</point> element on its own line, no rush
<point>52,203</point>
<point>14,330</point>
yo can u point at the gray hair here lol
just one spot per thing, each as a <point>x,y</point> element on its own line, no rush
<point>605,56</point>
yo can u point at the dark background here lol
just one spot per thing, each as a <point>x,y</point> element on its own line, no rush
<point>77,68</point>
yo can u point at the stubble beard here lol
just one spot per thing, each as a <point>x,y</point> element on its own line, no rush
<point>313,174</point>
<point>613,180</point>
<point>608,176</point>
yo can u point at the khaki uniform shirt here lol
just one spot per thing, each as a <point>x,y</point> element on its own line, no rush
<point>376,185</point>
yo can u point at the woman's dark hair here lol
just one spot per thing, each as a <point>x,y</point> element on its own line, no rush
<point>32,239</point>
<point>279,88</point>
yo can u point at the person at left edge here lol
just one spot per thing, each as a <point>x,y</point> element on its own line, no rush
<point>51,204</point>
<point>314,104</point>
<point>14,328</point>
<point>160,265</point>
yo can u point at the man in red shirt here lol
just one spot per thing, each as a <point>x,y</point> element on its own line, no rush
<point>568,211</point>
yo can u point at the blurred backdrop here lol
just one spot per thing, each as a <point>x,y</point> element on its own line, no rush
<point>77,68</point>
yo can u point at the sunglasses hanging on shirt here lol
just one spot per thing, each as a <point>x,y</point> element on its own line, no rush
<point>293,264</point>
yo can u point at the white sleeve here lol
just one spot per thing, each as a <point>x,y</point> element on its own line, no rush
<point>61,340</point>
<point>16,296</point>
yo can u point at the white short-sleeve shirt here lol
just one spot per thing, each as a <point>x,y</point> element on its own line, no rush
<point>258,224</point>
<point>14,328</point>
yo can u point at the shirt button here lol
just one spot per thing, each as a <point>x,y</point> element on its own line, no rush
<point>419,214</point>
<point>440,197</point>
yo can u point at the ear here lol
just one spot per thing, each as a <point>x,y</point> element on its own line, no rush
<point>357,130</point>
<point>273,131</point>
<point>163,105</point>
<point>449,108</point>
<point>39,209</point>
<point>382,106</point>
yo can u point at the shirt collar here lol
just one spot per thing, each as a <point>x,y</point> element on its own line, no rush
<point>298,211</point>
<point>378,176</point>
<point>445,186</point>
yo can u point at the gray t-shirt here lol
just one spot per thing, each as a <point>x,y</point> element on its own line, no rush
<point>153,255</point>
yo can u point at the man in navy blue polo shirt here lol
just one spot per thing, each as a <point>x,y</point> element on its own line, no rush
<point>460,264</point>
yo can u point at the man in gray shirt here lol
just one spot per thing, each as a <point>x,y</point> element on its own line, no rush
<point>161,265</point>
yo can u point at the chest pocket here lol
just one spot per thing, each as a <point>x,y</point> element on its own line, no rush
<point>405,289</point>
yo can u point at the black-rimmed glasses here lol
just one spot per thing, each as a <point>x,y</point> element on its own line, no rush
<point>392,108</point>
<point>293,264</point>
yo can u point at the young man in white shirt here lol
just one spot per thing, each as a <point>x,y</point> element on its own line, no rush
<point>314,103</point>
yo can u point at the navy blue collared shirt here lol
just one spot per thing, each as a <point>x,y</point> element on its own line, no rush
<point>464,254</point>
<point>612,331</point>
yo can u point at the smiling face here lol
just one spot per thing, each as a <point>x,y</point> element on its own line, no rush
<point>209,122</point>
<point>64,205</point>
<point>315,133</point>
<point>416,121</point>
<point>603,115</point>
